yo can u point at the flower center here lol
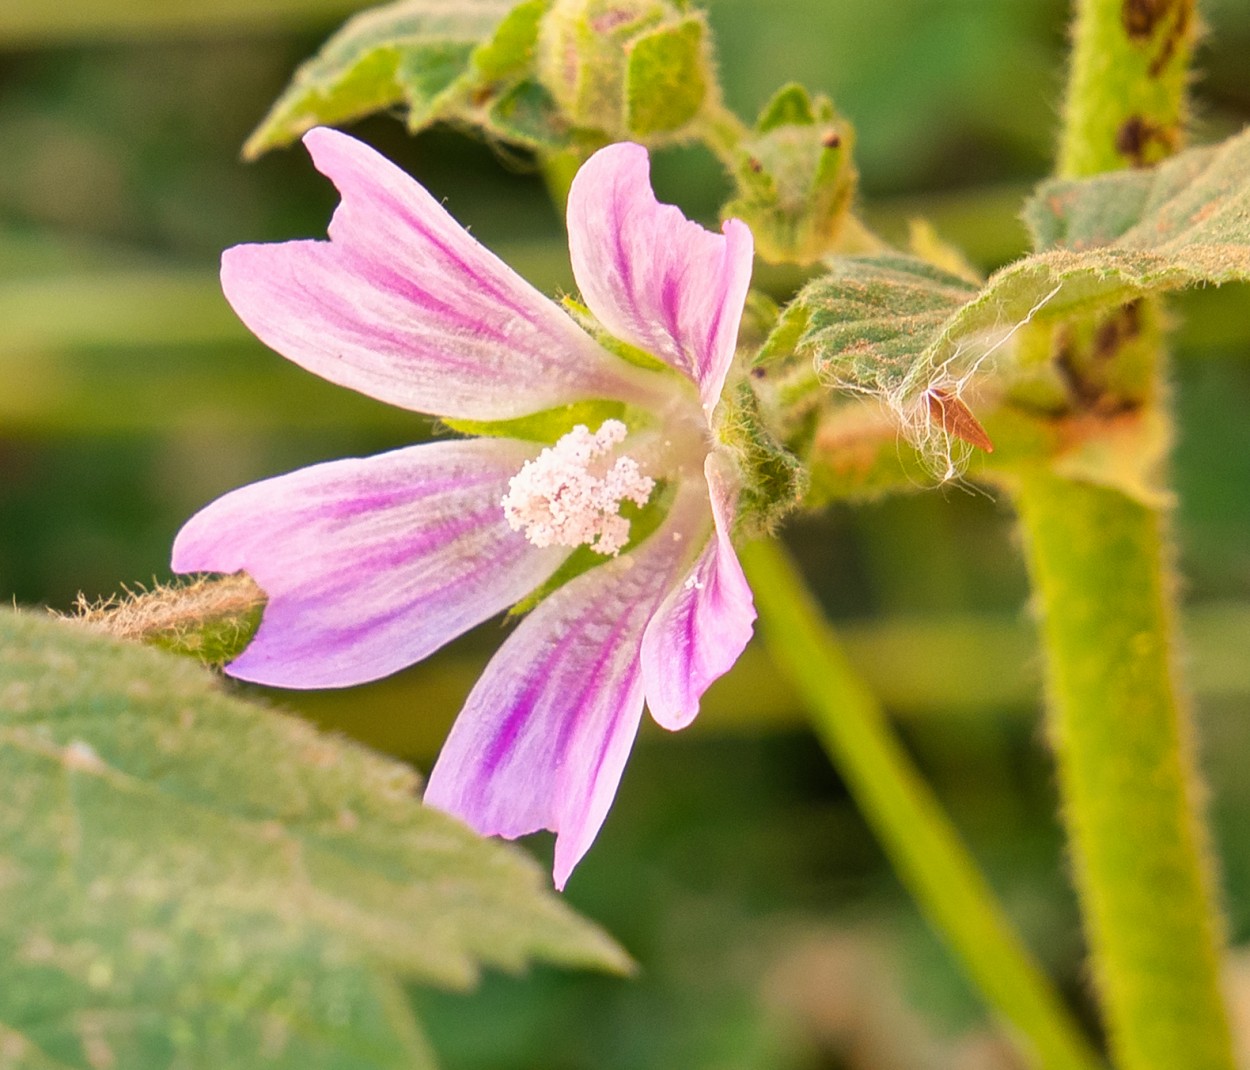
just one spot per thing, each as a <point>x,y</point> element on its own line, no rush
<point>570,496</point>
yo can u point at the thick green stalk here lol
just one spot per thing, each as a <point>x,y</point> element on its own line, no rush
<point>1099,565</point>
<point>1126,88</point>
<point>924,847</point>
<point>1124,752</point>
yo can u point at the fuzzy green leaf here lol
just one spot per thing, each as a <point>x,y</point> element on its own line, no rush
<point>892,327</point>
<point>440,61</point>
<point>187,879</point>
<point>870,317</point>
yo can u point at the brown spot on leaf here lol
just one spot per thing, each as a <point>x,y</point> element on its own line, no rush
<point>754,164</point>
<point>831,139</point>
<point>957,419</point>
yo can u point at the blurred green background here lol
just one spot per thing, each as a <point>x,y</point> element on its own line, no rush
<point>769,929</point>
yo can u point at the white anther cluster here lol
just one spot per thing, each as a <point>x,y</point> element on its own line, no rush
<point>564,498</point>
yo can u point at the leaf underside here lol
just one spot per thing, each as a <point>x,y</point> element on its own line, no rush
<point>467,61</point>
<point>893,326</point>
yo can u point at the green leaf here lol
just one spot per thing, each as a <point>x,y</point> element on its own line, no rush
<point>441,61</point>
<point>869,317</point>
<point>187,879</point>
<point>895,326</point>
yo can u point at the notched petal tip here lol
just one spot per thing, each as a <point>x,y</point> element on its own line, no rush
<point>652,277</point>
<point>404,305</point>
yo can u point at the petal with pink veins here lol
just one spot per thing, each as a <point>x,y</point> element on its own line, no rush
<point>404,306</point>
<point>651,276</point>
<point>370,565</point>
<point>543,738</point>
<point>704,624</point>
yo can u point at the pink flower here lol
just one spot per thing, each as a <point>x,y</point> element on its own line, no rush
<point>372,564</point>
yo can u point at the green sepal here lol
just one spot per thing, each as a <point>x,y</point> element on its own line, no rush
<point>791,105</point>
<point>795,178</point>
<point>508,55</point>
<point>211,620</point>
<point>528,116</point>
<point>666,79</point>
<point>549,425</point>
<point>622,69</point>
<point>774,481</point>
<point>640,358</point>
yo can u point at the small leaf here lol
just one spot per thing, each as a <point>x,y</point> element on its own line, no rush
<point>187,879</point>
<point>666,77</point>
<point>870,317</point>
<point>898,328</point>
<point>441,60</point>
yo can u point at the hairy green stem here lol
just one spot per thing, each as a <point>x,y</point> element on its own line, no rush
<point>211,619</point>
<point>1099,562</point>
<point>921,842</point>
<point>1125,762</point>
<point>1126,88</point>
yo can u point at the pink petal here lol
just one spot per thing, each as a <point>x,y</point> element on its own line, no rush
<point>705,622</point>
<point>403,305</point>
<point>372,564</point>
<point>651,276</point>
<point>543,738</point>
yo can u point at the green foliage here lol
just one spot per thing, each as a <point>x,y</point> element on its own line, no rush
<point>188,879</point>
<point>465,62</point>
<point>868,318</point>
<point>795,177</point>
<point>893,328</point>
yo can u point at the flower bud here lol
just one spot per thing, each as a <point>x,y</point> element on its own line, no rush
<point>629,69</point>
<point>795,178</point>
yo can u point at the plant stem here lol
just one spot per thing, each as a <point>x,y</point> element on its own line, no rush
<point>1125,760</point>
<point>921,842</point>
<point>1099,561</point>
<point>1126,87</point>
